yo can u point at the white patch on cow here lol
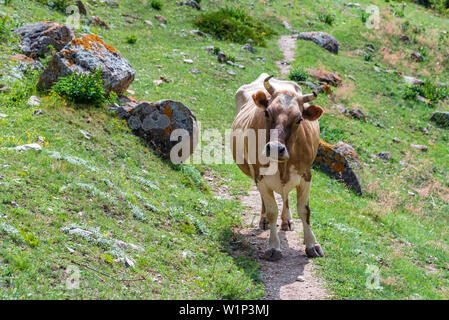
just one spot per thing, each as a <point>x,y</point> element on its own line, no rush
<point>274,181</point>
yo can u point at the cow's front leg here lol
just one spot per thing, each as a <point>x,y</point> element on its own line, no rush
<point>313,249</point>
<point>263,223</point>
<point>287,223</point>
<point>271,209</point>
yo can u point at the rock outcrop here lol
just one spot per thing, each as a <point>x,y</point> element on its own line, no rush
<point>322,39</point>
<point>156,124</point>
<point>332,78</point>
<point>37,37</point>
<point>441,118</point>
<point>84,55</point>
<point>336,162</point>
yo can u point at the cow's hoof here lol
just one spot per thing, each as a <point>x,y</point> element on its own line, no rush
<point>287,225</point>
<point>315,251</point>
<point>264,224</point>
<point>272,255</point>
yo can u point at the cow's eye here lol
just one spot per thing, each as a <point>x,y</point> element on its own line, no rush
<point>266,113</point>
<point>299,120</point>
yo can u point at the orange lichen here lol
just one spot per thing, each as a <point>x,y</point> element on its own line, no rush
<point>168,112</point>
<point>92,42</point>
<point>338,167</point>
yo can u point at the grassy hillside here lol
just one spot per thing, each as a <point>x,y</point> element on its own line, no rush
<point>116,188</point>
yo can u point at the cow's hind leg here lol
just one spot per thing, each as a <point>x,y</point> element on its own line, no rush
<point>271,209</point>
<point>263,223</point>
<point>313,249</point>
<point>287,223</point>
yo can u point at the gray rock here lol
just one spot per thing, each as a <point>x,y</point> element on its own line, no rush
<point>336,165</point>
<point>81,7</point>
<point>161,19</point>
<point>84,55</point>
<point>37,37</point>
<point>322,39</point>
<point>190,3</point>
<point>195,71</point>
<point>221,57</point>
<point>31,146</point>
<point>357,114</point>
<point>249,48</point>
<point>197,33</point>
<point>34,101</point>
<point>287,25</point>
<point>412,80</point>
<point>386,155</point>
<point>210,49</point>
<point>155,122</point>
<point>98,22</point>
<point>419,147</point>
<point>441,118</point>
<point>416,56</point>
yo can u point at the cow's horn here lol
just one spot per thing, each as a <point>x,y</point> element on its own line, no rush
<point>268,86</point>
<point>309,97</point>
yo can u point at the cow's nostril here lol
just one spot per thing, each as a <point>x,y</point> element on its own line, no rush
<point>281,150</point>
<point>268,147</point>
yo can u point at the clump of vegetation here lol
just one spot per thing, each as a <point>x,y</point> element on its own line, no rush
<point>81,88</point>
<point>157,5</point>
<point>442,6</point>
<point>368,56</point>
<point>131,39</point>
<point>4,27</point>
<point>59,5</point>
<point>298,74</point>
<point>327,18</point>
<point>428,90</point>
<point>234,25</point>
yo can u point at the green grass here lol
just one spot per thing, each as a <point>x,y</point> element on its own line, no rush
<point>115,187</point>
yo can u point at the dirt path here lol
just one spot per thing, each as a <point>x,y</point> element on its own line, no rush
<point>288,47</point>
<point>292,277</point>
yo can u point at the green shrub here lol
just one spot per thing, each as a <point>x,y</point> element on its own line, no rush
<point>327,18</point>
<point>234,25</point>
<point>157,5</point>
<point>428,90</point>
<point>59,5</point>
<point>81,88</point>
<point>4,27</point>
<point>131,39</point>
<point>298,74</point>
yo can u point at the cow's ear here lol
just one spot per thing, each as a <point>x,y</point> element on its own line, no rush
<point>260,99</point>
<point>313,112</point>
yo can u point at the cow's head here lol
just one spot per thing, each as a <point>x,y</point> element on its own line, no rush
<point>284,111</point>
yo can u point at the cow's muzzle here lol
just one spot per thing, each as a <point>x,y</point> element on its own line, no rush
<point>276,151</point>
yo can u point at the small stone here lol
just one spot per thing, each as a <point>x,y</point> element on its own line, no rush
<point>195,71</point>
<point>416,56</point>
<point>98,22</point>
<point>422,99</point>
<point>190,3</point>
<point>31,146</point>
<point>249,48</point>
<point>377,69</point>
<point>38,112</point>
<point>34,101</point>
<point>148,22</point>
<point>357,114</point>
<point>81,7</point>
<point>441,118</point>
<point>190,61</point>
<point>128,262</point>
<point>419,147</point>
<point>221,57</point>
<point>412,81</point>
<point>232,73</point>
<point>410,193</point>
<point>158,82</point>
<point>340,108</point>
<point>287,25</point>
<point>161,19</point>
<point>403,163</point>
<point>210,49</point>
<point>300,278</point>
<point>197,33</point>
<point>396,140</point>
<point>384,155</point>
<point>2,115</point>
<point>86,134</point>
<point>425,131</point>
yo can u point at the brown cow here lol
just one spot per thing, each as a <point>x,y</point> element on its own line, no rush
<point>274,141</point>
